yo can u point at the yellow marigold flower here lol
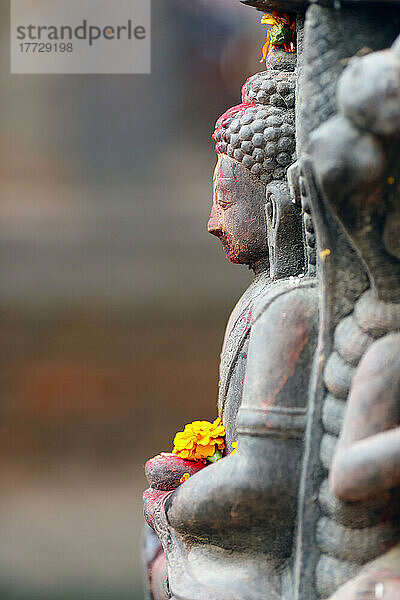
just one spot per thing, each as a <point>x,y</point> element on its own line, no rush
<point>184,477</point>
<point>234,446</point>
<point>324,253</point>
<point>200,440</point>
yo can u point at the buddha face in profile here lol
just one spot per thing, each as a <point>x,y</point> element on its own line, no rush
<point>237,215</point>
<point>255,144</point>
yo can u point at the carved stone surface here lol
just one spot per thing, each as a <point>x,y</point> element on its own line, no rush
<point>343,173</point>
<point>309,506</point>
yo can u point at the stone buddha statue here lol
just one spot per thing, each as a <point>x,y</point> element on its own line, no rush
<point>229,530</point>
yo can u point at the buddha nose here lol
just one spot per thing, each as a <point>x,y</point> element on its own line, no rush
<point>213,224</point>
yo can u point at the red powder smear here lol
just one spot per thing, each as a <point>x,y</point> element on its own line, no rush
<point>228,114</point>
<point>231,112</point>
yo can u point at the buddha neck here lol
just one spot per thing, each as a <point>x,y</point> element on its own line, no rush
<point>260,267</point>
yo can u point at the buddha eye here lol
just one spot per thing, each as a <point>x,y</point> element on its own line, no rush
<point>223,202</point>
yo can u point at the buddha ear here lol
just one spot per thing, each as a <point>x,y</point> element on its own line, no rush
<point>270,209</point>
<point>279,203</point>
<point>284,231</point>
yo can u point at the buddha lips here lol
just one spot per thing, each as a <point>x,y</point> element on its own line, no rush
<point>201,440</point>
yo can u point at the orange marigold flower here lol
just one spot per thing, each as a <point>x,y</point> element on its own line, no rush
<point>184,477</point>
<point>199,440</point>
<point>234,446</point>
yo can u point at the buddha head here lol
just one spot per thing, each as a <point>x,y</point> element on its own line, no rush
<point>255,144</point>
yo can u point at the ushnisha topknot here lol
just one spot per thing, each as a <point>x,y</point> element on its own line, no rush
<point>260,131</point>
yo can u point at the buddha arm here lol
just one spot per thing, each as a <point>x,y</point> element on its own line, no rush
<point>258,483</point>
<point>367,460</point>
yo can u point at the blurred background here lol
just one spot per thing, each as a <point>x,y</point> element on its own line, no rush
<point>113,298</point>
